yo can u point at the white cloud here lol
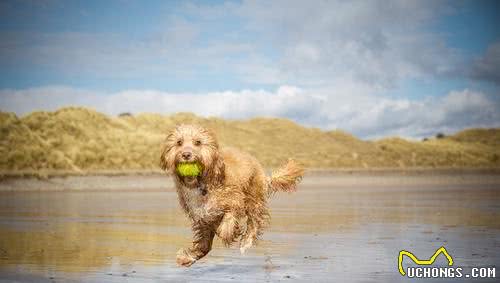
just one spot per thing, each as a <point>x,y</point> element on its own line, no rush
<point>455,111</point>
<point>364,115</point>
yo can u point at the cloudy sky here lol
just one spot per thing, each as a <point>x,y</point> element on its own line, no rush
<point>372,68</point>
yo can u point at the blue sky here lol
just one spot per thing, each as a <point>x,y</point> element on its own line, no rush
<point>373,68</point>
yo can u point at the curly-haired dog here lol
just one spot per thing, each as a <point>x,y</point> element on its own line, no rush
<point>228,197</point>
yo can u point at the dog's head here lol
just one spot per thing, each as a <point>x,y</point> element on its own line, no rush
<point>193,144</point>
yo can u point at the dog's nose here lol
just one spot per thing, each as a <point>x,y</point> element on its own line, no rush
<point>186,155</point>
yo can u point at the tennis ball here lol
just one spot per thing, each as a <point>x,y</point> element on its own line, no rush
<point>189,169</point>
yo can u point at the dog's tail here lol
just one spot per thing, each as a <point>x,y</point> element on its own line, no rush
<point>285,178</point>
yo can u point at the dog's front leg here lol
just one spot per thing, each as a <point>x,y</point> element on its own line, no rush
<point>202,244</point>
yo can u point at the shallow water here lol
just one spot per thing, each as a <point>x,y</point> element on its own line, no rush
<point>322,233</point>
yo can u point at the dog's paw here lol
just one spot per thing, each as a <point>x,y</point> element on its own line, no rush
<point>245,245</point>
<point>184,258</point>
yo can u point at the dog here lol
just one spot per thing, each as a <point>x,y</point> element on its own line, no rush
<point>228,198</point>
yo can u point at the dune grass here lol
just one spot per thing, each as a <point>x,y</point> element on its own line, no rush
<point>80,140</point>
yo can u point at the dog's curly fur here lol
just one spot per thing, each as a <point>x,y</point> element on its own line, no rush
<point>229,198</point>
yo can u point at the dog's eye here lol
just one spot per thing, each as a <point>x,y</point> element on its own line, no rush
<point>179,142</point>
<point>197,142</point>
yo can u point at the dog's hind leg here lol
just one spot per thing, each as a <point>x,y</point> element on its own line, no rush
<point>250,236</point>
<point>257,219</point>
<point>202,244</point>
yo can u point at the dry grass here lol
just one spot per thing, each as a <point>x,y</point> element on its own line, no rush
<point>81,140</point>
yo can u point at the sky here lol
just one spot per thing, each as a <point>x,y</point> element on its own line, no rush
<point>371,68</point>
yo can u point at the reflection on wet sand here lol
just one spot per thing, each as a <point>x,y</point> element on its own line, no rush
<point>92,235</point>
<point>327,209</point>
<point>80,231</point>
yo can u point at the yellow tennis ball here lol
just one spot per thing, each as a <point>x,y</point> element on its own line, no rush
<point>189,169</point>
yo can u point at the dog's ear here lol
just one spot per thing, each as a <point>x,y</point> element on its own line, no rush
<point>163,158</point>
<point>217,171</point>
<point>219,168</point>
<point>166,161</point>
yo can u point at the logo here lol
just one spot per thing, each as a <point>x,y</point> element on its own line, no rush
<point>424,271</point>
<point>422,262</point>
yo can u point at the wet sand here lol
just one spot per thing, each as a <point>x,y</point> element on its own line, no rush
<point>340,227</point>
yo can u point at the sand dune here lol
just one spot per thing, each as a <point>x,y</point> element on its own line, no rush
<point>81,140</point>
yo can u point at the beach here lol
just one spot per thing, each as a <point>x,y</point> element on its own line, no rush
<point>344,226</point>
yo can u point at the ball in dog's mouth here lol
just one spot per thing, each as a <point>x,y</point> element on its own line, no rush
<point>189,169</point>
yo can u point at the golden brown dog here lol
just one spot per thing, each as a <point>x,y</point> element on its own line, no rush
<point>229,197</point>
